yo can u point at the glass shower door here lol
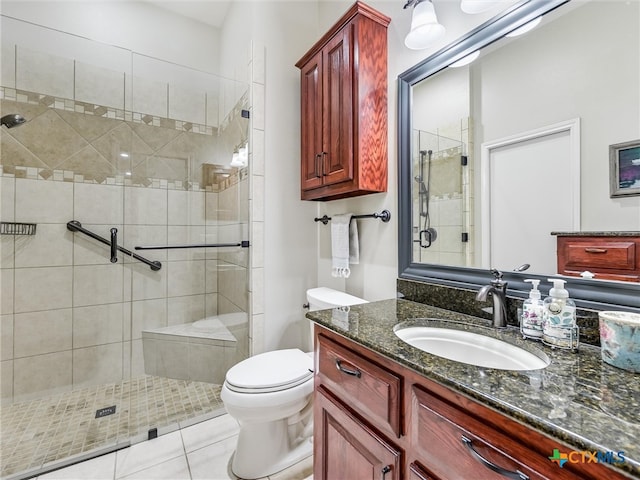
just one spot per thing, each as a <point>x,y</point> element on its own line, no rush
<point>86,364</point>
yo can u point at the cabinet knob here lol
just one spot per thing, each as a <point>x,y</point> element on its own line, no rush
<point>386,469</point>
<point>517,475</point>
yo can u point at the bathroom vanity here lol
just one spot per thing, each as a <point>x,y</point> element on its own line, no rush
<point>387,410</point>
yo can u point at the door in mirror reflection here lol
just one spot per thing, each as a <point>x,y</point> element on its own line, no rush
<point>519,209</point>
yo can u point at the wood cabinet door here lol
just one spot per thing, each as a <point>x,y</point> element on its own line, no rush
<point>347,448</point>
<point>311,111</point>
<point>337,66</point>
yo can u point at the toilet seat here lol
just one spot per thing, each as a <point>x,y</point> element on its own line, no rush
<point>270,372</point>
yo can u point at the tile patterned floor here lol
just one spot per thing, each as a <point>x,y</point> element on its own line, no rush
<point>41,433</point>
<point>198,452</point>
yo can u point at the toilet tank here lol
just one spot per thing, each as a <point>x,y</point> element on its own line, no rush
<point>321,298</point>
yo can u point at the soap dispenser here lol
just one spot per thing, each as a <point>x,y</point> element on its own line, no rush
<point>559,327</point>
<point>532,308</point>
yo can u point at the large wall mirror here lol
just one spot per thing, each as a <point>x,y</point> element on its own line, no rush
<point>496,154</point>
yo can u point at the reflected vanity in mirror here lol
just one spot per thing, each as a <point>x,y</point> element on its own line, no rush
<point>497,155</point>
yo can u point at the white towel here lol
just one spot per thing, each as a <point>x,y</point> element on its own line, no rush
<point>344,244</point>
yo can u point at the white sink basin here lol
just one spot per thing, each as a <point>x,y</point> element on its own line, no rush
<point>472,348</point>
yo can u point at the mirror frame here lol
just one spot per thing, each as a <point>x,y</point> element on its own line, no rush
<point>599,295</point>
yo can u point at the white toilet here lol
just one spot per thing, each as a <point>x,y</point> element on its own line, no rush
<point>270,397</point>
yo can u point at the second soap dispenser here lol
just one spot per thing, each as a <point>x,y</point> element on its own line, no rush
<point>559,327</point>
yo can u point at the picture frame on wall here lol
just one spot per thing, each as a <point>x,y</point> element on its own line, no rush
<point>624,169</point>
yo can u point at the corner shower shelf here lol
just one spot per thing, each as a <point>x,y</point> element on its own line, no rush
<point>17,228</point>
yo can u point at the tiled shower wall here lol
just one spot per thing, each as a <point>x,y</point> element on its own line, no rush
<point>70,317</point>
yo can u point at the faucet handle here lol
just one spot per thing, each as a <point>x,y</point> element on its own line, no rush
<point>497,281</point>
<point>497,274</point>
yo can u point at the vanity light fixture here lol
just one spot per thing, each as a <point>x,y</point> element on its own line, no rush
<point>527,27</point>
<point>425,29</point>
<point>466,60</point>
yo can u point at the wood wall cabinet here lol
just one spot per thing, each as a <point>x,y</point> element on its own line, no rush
<point>609,257</point>
<point>441,435</point>
<point>344,108</point>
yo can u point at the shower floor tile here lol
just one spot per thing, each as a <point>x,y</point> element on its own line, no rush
<point>48,431</point>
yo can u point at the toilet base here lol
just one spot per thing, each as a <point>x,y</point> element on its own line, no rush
<point>258,455</point>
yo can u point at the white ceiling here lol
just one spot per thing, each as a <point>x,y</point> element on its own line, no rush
<point>211,12</point>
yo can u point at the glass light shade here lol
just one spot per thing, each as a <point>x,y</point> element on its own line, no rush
<point>425,28</point>
<point>525,28</point>
<point>478,6</point>
<point>235,160</point>
<point>466,60</point>
<point>244,154</point>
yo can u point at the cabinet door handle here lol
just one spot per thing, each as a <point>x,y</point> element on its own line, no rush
<point>348,371</point>
<point>318,165</point>
<point>324,154</point>
<point>386,469</point>
<point>595,250</point>
<point>517,475</point>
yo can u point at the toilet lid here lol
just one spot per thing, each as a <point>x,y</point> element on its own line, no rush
<point>271,371</point>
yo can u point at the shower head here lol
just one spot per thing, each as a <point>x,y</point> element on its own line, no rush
<point>12,120</point>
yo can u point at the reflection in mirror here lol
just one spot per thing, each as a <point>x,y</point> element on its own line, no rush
<point>442,192</point>
<point>498,154</point>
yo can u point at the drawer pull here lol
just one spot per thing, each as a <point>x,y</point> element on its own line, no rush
<point>595,250</point>
<point>386,469</point>
<point>517,475</point>
<point>348,371</point>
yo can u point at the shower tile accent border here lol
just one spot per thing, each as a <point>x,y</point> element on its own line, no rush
<point>70,105</point>
<point>34,173</point>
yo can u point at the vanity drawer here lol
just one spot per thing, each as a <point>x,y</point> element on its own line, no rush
<point>363,385</point>
<point>609,258</point>
<point>603,254</point>
<point>450,443</point>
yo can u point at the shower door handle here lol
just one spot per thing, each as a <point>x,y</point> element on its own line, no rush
<point>114,245</point>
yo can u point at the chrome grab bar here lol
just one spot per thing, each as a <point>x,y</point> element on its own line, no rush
<point>75,226</point>
<point>243,244</point>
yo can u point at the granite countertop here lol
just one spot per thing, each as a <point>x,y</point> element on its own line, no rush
<point>577,399</point>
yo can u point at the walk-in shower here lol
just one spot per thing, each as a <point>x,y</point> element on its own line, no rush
<point>442,196</point>
<point>123,253</point>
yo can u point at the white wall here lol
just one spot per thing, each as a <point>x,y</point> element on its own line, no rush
<point>285,30</point>
<point>570,73</point>
<point>137,26</point>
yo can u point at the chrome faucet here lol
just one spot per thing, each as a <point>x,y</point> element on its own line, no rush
<point>497,288</point>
